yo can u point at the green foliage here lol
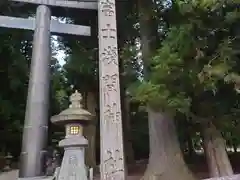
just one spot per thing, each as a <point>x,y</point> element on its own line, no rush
<point>197,53</point>
<point>14,79</point>
<point>160,98</point>
<point>163,91</point>
<point>81,68</point>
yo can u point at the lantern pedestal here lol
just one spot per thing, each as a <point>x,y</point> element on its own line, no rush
<point>74,118</point>
<point>73,165</point>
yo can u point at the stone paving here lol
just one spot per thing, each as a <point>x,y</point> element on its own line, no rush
<point>11,175</point>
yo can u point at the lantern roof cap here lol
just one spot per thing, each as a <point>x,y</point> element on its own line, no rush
<point>75,112</point>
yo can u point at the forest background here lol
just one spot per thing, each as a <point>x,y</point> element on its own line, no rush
<point>180,84</point>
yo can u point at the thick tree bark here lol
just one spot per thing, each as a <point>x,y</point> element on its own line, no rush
<point>165,159</point>
<point>215,151</point>
<point>191,151</point>
<point>127,132</point>
<point>90,132</point>
<point>235,148</point>
<point>125,105</point>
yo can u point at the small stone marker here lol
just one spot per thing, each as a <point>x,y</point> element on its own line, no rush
<point>8,159</point>
<point>73,165</point>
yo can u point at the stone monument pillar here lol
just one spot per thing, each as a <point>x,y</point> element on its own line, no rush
<point>112,155</point>
<point>73,118</point>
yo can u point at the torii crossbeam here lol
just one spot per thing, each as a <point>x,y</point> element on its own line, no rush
<point>55,26</point>
<point>87,4</point>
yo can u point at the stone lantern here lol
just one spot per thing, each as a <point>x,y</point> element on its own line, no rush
<point>8,159</point>
<point>74,119</point>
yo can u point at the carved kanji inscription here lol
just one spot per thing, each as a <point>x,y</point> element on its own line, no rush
<point>109,32</point>
<point>73,160</point>
<point>113,163</point>
<point>112,158</point>
<point>73,163</point>
<point>109,55</point>
<point>112,113</point>
<point>110,84</point>
<point>108,7</point>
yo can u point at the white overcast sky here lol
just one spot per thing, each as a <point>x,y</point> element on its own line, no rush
<point>60,53</point>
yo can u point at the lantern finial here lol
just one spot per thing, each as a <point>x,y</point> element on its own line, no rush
<point>75,100</point>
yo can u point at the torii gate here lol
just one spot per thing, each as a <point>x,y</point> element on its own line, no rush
<point>36,118</point>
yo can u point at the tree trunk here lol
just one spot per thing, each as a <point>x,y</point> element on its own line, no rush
<point>235,148</point>
<point>191,151</point>
<point>90,131</point>
<point>165,159</point>
<point>215,151</point>
<point>127,132</point>
<point>125,105</point>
